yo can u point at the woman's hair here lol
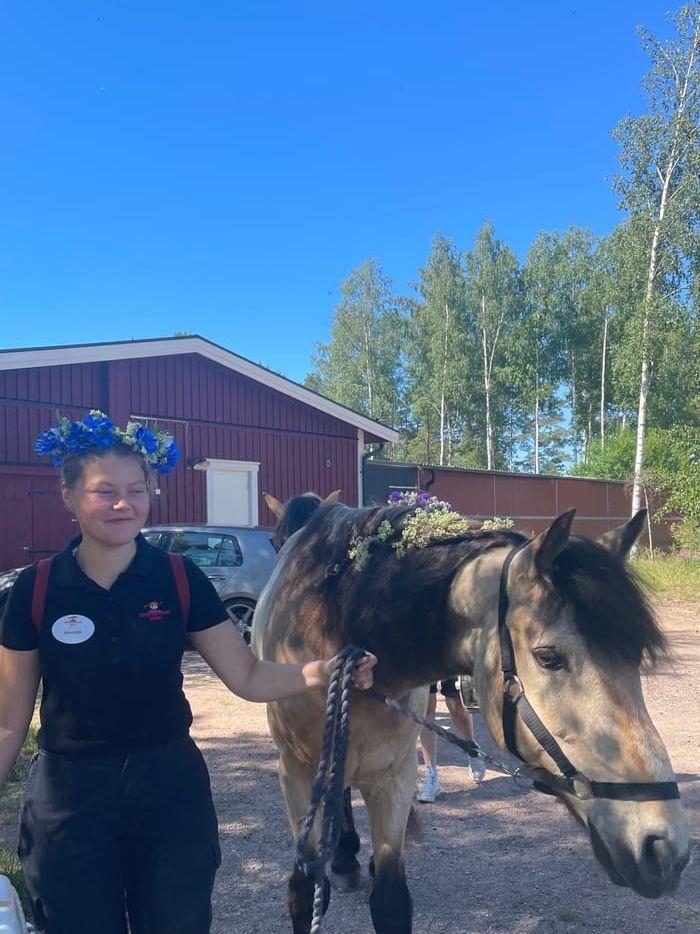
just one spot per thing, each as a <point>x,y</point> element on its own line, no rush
<point>72,467</point>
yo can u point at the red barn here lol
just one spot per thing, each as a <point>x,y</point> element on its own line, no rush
<point>242,429</point>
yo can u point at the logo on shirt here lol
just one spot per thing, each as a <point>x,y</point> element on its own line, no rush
<point>72,629</point>
<point>153,610</point>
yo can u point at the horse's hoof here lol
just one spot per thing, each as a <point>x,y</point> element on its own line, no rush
<point>348,882</point>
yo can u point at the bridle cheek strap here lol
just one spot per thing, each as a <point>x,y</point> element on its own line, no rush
<point>515,704</point>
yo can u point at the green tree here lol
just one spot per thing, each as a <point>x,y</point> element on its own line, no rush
<point>361,366</point>
<point>536,347</point>
<point>494,299</point>
<point>439,374</point>
<point>660,188</point>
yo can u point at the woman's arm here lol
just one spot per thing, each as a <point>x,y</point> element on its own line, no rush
<point>225,650</point>
<point>19,682</point>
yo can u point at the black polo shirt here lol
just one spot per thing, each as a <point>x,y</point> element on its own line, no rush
<point>111,680</point>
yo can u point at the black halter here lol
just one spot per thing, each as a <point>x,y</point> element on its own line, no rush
<point>515,702</point>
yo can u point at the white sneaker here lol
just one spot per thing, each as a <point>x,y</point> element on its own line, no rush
<point>430,788</point>
<point>477,767</point>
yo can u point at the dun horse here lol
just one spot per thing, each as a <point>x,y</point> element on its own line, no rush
<point>580,629</point>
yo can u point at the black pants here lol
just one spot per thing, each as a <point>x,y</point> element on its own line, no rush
<point>103,837</point>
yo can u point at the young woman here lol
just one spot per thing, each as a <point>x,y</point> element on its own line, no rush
<point>118,817</point>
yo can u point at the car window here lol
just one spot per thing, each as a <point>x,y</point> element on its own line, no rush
<point>158,539</point>
<point>207,550</point>
<point>230,555</point>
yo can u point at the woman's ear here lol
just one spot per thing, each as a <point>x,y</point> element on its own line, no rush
<point>67,499</point>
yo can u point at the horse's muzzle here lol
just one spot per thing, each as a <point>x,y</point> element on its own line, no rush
<point>654,873</point>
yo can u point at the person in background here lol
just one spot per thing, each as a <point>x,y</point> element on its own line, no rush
<point>463,723</point>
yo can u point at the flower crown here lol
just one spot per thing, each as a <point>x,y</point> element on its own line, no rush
<point>96,430</point>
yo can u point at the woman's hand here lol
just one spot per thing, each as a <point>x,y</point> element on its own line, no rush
<point>362,674</point>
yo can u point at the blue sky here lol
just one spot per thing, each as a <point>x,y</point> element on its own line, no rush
<point>218,167</point>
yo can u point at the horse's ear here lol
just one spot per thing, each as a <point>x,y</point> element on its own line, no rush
<point>274,505</point>
<point>545,547</point>
<point>620,540</point>
<point>333,497</point>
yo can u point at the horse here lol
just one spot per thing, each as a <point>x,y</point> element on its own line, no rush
<point>579,629</point>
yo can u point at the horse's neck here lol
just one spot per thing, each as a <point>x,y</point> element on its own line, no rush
<point>470,627</point>
<point>473,613</point>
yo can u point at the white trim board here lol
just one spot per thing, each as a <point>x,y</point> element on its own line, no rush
<point>165,347</point>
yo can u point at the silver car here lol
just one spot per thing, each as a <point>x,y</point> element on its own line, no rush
<point>238,562</point>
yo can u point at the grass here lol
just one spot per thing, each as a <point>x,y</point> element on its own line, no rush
<point>669,575</point>
<point>10,794</point>
<point>10,867</point>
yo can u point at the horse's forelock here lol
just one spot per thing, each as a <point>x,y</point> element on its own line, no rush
<point>611,611</point>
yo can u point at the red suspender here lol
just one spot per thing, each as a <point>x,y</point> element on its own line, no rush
<point>41,585</point>
<point>182,585</point>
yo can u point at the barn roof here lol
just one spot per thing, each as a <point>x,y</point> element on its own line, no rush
<point>25,357</point>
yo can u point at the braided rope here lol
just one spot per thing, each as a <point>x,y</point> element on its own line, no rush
<point>327,789</point>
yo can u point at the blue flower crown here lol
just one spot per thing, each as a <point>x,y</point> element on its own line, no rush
<point>96,430</point>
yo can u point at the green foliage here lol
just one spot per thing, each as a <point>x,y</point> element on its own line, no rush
<point>669,575</point>
<point>424,527</point>
<point>361,366</point>
<point>671,473</point>
<point>495,524</point>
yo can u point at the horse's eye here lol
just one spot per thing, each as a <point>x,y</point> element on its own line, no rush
<point>549,658</point>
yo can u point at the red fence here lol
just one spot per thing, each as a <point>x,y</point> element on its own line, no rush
<point>531,501</point>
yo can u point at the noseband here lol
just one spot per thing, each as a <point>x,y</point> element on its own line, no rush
<point>515,704</point>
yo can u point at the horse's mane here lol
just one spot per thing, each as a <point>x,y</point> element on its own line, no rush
<point>610,609</point>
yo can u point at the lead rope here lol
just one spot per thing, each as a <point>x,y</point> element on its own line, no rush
<point>327,789</point>
<point>472,749</point>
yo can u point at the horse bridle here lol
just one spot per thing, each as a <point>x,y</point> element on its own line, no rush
<point>515,703</point>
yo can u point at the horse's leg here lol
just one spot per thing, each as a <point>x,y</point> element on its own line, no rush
<point>345,867</point>
<point>296,781</point>
<point>388,807</point>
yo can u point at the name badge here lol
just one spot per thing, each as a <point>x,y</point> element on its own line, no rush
<point>73,629</point>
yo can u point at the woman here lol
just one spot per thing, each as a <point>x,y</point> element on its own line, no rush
<point>118,818</point>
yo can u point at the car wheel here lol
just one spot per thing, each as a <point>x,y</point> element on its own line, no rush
<point>241,611</point>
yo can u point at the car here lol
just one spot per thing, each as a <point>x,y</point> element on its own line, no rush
<point>237,560</point>
<point>7,579</point>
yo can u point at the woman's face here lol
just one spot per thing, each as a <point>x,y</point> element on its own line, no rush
<point>111,500</point>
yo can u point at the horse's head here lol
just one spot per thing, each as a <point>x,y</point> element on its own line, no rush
<point>295,513</point>
<point>580,630</point>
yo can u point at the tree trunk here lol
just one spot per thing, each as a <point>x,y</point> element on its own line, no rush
<point>537,432</point>
<point>651,278</point>
<point>442,389</point>
<point>487,387</point>
<point>368,367</point>
<point>574,404</point>
<point>602,381</point>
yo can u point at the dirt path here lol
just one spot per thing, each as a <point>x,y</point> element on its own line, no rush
<point>493,858</point>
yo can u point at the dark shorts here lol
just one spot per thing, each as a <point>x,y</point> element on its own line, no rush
<point>447,688</point>
<point>103,837</point>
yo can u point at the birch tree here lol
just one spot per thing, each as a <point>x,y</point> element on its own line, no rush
<point>660,187</point>
<point>494,297</point>
<point>361,366</point>
<point>439,376</point>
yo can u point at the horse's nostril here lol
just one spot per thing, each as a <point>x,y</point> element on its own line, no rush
<point>659,856</point>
